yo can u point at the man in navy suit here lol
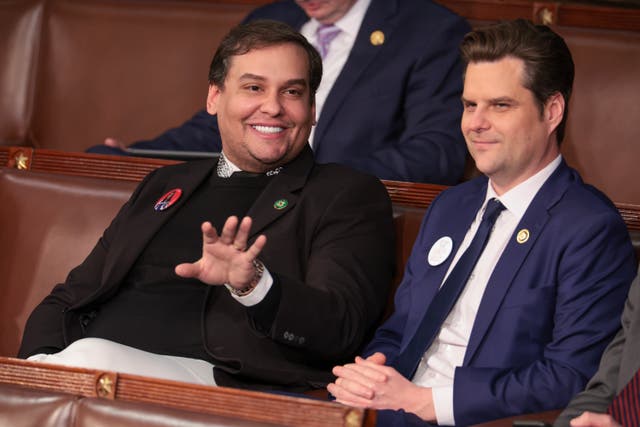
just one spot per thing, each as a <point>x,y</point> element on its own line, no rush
<point>543,298</point>
<point>389,99</point>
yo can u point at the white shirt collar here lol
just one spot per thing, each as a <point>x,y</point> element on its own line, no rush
<point>226,167</point>
<point>517,199</point>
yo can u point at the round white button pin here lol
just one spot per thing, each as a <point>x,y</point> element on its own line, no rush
<point>440,251</point>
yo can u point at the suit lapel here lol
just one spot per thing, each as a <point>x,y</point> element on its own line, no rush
<point>282,194</point>
<point>144,222</point>
<point>377,17</point>
<point>515,254</point>
<point>297,18</point>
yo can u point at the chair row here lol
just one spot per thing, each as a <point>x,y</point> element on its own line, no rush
<point>74,72</point>
<point>55,206</point>
<point>53,200</point>
<point>58,396</point>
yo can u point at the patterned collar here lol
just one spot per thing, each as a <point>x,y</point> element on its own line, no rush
<point>226,168</point>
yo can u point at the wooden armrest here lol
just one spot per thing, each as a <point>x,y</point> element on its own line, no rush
<point>547,417</point>
<point>234,403</point>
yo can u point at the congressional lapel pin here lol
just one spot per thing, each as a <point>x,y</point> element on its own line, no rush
<point>168,199</point>
<point>523,236</point>
<point>281,204</point>
<point>440,251</point>
<point>376,38</point>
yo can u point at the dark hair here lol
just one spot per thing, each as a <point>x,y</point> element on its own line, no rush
<point>548,66</point>
<point>259,34</point>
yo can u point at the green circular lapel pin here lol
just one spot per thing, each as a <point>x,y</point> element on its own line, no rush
<point>281,204</point>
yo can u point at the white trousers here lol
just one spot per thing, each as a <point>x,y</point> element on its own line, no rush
<point>98,353</point>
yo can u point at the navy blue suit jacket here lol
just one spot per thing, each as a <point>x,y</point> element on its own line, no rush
<point>551,306</point>
<point>395,109</point>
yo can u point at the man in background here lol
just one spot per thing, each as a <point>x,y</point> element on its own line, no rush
<point>388,103</point>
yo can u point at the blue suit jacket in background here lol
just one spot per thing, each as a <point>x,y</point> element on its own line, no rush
<point>551,305</point>
<point>394,110</point>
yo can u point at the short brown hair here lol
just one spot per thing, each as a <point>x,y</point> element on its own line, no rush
<point>548,66</point>
<point>259,34</point>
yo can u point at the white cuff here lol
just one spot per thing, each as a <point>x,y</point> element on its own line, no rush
<point>443,405</point>
<point>258,293</point>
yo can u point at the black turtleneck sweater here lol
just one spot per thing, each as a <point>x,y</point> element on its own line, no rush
<point>154,309</point>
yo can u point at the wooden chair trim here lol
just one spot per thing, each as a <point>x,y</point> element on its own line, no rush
<point>124,168</point>
<point>81,164</point>
<point>549,13</point>
<point>228,402</point>
<point>540,417</point>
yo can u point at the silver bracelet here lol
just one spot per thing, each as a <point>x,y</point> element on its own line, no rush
<point>258,272</point>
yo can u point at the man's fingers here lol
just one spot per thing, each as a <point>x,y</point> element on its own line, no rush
<point>357,380</point>
<point>209,234</point>
<point>187,270</point>
<point>112,142</point>
<point>345,396</point>
<point>229,230</point>
<point>376,357</point>
<point>242,234</point>
<point>255,249</point>
<point>590,419</point>
<point>366,373</point>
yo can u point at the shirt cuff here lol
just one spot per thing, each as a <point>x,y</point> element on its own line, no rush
<point>443,405</point>
<point>258,293</point>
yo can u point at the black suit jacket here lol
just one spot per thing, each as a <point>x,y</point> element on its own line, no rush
<point>330,251</point>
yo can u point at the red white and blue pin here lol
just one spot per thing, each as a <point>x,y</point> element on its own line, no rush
<point>168,199</point>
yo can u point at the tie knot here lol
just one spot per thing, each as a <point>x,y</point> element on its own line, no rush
<point>325,34</point>
<point>492,211</point>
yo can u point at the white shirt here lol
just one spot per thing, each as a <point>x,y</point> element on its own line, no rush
<point>437,366</point>
<point>339,50</point>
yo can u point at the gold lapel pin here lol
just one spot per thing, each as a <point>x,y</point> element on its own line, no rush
<point>377,38</point>
<point>523,236</point>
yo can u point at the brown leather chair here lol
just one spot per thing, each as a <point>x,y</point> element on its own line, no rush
<point>24,407</point>
<point>602,130</point>
<point>127,69</point>
<point>49,223</point>
<point>20,29</point>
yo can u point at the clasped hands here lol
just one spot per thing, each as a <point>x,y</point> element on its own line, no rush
<point>225,257</point>
<point>368,383</point>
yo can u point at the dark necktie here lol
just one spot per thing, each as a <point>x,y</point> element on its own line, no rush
<point>625,407</point>
<point>443,301</point>
<point>325,34</point>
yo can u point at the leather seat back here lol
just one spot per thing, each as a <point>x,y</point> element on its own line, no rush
<point>48,224</point>
<point>20,28</point>
<point>602,135</point>
<point>125,69</point>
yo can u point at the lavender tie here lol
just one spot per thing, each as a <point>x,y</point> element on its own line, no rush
<point>325,34</point>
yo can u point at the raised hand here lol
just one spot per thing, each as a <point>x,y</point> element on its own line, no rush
<point>225,257</point>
